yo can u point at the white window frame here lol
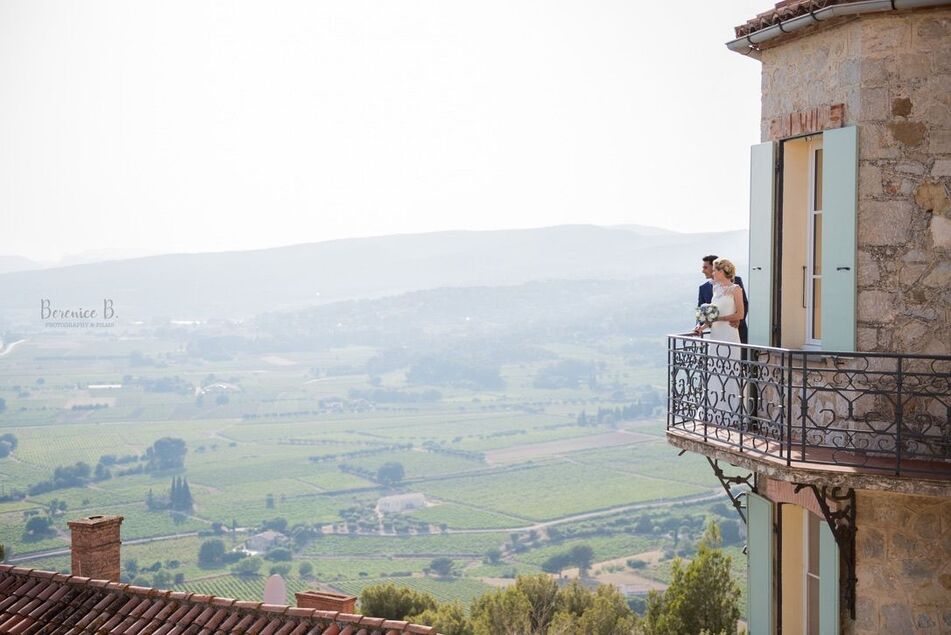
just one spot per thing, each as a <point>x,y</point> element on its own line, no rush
<point>810,341</point>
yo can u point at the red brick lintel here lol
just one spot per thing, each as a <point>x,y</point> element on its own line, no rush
<point>809,121</point>
<point>784,492</point>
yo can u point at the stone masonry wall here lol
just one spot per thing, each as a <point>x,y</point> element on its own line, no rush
<point>903,564</point>
<point>892,71</point>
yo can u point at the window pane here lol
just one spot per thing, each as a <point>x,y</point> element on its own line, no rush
<point>817,308</point>
<point>813,561</point>
<point>812,573</point>
<point>817,245</point>
<point>817,201</point>
<point>813,606</point>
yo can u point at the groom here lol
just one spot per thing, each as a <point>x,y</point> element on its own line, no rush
<point>705,295</point>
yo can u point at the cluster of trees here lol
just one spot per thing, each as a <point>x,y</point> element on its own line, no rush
<point>64,476</point>
<point>636,410</point>
<point>179,497</point>
<point>441,566</point>
<point>212,553</point>
<point>388,474</point>
<point>107,462</point>
<point>300,533</point>
<point>111,459</point>
<point>162,574</point>
<point>450,371</point>
<point>325,458</point>
<point>434,446</point>
<point>167,453</point>
<point>386,395</point>
<point>567,373</point>
<point>533,605</point>
<point>39,526</point>
<point>90,406</point>
<point>581,556</point>
<point>163,384</point>
<point>702,598</point>
<point>8,443</point>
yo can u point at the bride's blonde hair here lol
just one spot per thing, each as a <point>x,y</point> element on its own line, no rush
<point>727,267</point>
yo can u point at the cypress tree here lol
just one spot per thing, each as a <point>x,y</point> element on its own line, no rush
<point>186,496</point>
<point>175,494</point>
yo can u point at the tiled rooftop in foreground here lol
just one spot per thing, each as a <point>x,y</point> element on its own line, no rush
<point>33,602</point>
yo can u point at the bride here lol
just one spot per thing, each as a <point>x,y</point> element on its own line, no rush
<point>728,298</point>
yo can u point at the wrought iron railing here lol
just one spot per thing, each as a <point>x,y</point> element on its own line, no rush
<point>881,412</point>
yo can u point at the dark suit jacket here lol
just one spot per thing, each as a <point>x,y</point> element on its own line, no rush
<point>705,296</point>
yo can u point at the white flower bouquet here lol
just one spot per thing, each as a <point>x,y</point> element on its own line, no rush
<point>707,314</point>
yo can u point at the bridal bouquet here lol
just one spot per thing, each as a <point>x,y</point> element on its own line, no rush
<point>707,314</point>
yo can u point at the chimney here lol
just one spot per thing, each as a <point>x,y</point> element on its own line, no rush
<point>326,601</point>
<point>95,547</point>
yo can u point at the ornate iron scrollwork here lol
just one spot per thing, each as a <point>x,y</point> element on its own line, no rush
<point>841,521</point>
<point>726,481</point>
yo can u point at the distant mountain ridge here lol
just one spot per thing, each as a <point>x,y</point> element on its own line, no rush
<point>17,263</point>
<point>244,283</point>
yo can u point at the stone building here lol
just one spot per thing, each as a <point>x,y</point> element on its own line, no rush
<point>399,503</point>
<point>836,418</point>
<point>259,543</point>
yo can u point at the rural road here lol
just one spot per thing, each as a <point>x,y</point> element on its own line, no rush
<point>9,349</point>
<point>714,495</point>
<point>65,552</point>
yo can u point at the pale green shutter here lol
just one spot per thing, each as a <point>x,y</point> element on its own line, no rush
<point>839,200</point>
<point>828,582</point>
<point>759,282</point>
<point>759,548</point>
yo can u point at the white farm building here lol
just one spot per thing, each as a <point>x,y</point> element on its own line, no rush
<point>400,503</point>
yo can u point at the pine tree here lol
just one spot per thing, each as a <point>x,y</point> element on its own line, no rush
<point>702,595</point>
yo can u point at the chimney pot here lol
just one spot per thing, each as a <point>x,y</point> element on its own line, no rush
<point>326,601</point>
<point>95,547</point>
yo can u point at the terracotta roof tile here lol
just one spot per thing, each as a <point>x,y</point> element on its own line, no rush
<point>784,11</point>
<point>47,603</point>
<point>164,629</point>
<point>287,629</point>
<point>301,629</point>
<point>228,624</point>
<point>296,611</point>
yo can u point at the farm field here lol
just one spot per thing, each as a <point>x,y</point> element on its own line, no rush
<point>292,441</point>
<point>555,490</point>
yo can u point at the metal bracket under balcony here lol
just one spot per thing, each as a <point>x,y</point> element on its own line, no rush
<point>728,482</point>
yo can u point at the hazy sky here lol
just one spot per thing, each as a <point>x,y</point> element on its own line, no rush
<point>196,125</point>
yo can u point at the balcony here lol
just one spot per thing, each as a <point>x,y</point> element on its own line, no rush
<point>866,420</point>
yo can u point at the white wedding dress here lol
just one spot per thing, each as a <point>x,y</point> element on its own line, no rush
<point>723,300</point>
<point>724,363</point>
